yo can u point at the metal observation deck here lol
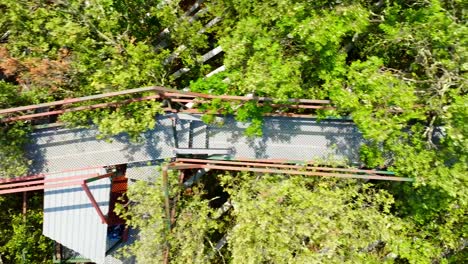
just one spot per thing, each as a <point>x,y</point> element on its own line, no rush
<point>288,138</point>
<point>78,171</point>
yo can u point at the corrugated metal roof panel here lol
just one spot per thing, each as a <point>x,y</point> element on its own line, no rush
<point>61,149</point>
<point>70,218</point>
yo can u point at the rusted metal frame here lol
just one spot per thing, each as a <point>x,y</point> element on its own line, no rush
<point>294,172</point>
<point>234,163</point>
<point>292,106</point>
<point>20,184</point>
<point>255,98</point>
<point>164,90</point>
<point>26,189</point>
<point>164,93</point>
<point>300,106</point>
<point>42,181</point>
<point>165,183</point>
<point>177,198</point>
<point>190,111</point>
<point>24,178</point>
<point>290,115</point>
<point>45,185</point>
<point>41,187</point>
<point>25,205</point>
<point>279,161</point>
<point>308,173</point>
<point>80,108</point>
<point>285,161</point>
<point>196,111</point>
<point>258,99</point>
<point>178,166</point>
<point>109,104</point>
<point>305,166</point>
<point>234,97</point>
<point>81,99</point>
<point>178,95</point>
<point>85,187</point>
<point>298,167</point>
<point>98,177</point>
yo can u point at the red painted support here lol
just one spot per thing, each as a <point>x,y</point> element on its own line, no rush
<point>15,186</point>
<point>42,184</point>
<point>40,187</point>
<point>93,202</point>
<point>42,181</point>
<point>24,178</point>
<point>21,184</point>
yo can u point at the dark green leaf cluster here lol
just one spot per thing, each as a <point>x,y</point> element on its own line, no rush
<point>279,219</point>
<point>21,239</point>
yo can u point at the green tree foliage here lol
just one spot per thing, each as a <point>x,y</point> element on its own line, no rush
<point>12,137</point>
<point>398,68</point>
<point>278,219</point>
<point>21,239</point>
<point>187,240</point>
<point>75,48</point>
<point>300,220</point>
<point>51,50</point>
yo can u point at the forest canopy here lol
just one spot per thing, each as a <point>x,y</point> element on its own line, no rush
<point>397,68</point>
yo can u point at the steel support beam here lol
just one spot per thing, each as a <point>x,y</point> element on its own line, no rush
<point>85,187</point>
<point>274,167</point>
<point>45,184</point>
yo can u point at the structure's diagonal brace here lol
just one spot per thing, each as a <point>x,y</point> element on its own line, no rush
<point>85,187</point>
<point>38,182</point>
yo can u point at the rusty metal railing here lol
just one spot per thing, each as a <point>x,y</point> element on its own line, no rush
<point>283,167</point>
<point>182,98</point>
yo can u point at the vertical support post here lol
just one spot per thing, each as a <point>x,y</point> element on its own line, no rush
<point>165,183</point>
<point>174,131</point>
<point>176,199</point>
<point>93,202</point>
<point>58,251</point>
<point>25,205</point>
